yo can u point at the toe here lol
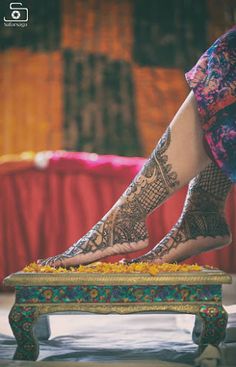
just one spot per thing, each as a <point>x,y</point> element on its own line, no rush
<point>49,261</point>
<point>42,261</point>
<point>54,261</point>
<point>124,261</point>
<point>134,261</point>
<point>57,261</point>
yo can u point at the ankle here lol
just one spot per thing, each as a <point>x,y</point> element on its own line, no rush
<point>207,223</point>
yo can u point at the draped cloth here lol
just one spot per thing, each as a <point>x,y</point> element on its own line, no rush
<point>44,210</point>
<point>213,81</point>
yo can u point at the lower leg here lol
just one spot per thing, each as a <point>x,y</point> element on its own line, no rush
<point>178,157</point>
<point>202,225</point>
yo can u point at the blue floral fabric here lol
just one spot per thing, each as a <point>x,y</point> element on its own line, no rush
<point>213,81</point>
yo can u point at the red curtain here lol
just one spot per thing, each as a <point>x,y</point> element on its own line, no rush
<point>42,211</point>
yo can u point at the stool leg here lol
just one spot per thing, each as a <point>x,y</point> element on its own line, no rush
<point>22,319</point>
<point>214,319</point>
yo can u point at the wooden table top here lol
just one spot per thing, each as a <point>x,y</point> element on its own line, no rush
<point>205,276</point>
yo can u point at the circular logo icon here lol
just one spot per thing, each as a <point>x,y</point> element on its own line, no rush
<point>15,14</point>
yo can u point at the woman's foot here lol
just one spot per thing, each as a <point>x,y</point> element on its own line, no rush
<point>202,225</point>
<point>123,228</point>
<point>119,232</point>
<point>194,233</point>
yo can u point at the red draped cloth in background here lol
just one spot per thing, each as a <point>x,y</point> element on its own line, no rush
<point>43,211</point>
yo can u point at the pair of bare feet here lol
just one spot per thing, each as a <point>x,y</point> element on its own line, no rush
<point>201,227</point>
<point>184,240</point>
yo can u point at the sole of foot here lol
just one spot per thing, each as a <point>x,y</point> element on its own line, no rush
<point>188,249</point>
<point>90,257</point>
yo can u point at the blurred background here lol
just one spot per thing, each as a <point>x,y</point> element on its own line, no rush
<point>92,76</point>
<point>102,76</point>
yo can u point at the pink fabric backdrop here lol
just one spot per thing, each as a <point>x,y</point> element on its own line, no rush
<point>42,211</point>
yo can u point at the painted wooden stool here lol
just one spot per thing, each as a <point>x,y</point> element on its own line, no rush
<point>40,294</point>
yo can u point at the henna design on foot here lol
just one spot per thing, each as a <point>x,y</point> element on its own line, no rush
<point>202,216</point>
<point>123,229</point>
